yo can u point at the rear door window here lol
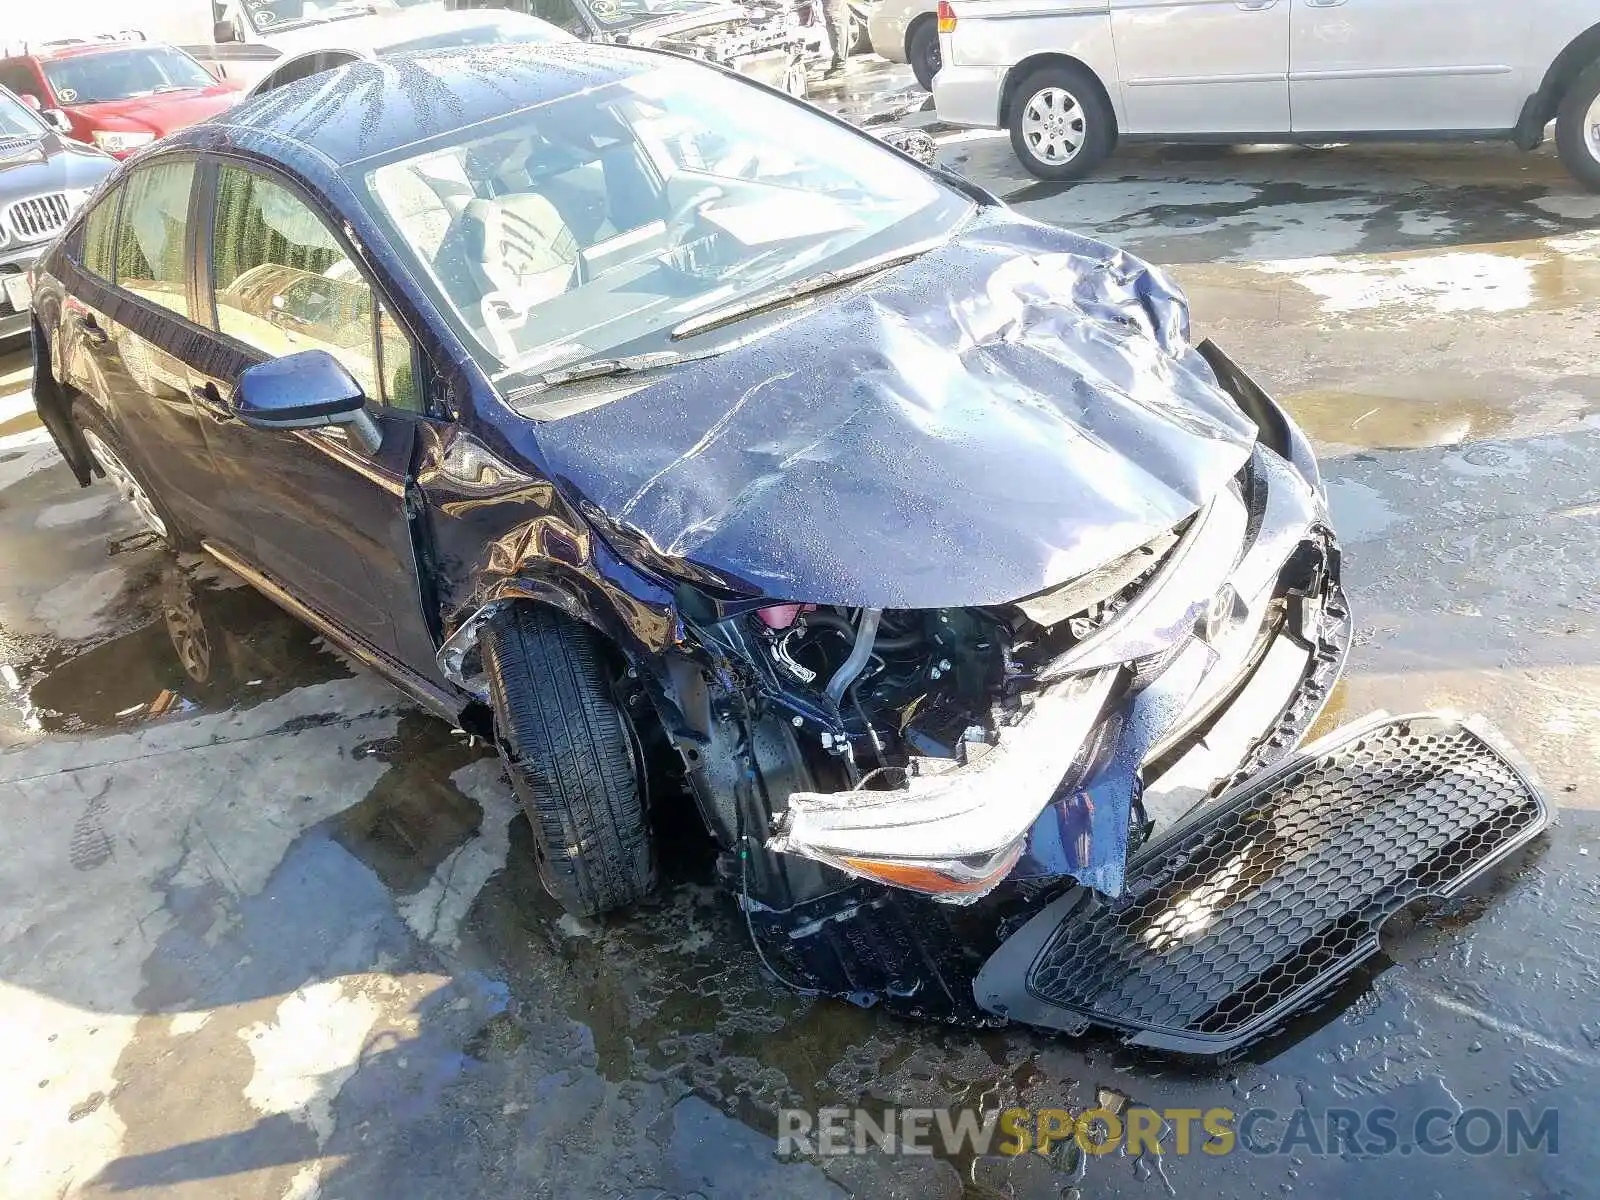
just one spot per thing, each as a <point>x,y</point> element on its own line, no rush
<point>100,237</point>
<point>150,259</point>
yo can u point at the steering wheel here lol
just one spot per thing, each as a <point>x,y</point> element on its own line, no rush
<point>686,251</point>
<point>682,224</point>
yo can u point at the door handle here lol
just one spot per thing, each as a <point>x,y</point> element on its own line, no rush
<point>1323,3</point>
<point>1255,5</point>
<point>92,331</point>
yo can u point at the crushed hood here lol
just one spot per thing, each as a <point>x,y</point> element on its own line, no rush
<point>1008,412</point>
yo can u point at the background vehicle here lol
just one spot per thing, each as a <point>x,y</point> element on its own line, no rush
<point>775,41</point>
<point>44,180</point>
<point>412,31</point>
<point>115,94</point>
<point>1069,82</point>
<point>907,31</point>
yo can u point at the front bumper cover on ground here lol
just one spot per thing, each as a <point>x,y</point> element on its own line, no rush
<point>1234,921</point>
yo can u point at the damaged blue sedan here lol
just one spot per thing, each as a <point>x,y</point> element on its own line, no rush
<point>687,441</point>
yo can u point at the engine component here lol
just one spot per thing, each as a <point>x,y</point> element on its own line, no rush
<point>866,633</point>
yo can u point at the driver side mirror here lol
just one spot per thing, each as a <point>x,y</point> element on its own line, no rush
<point>302,391</point>
<point>223,32</point>
<point>59,120</point>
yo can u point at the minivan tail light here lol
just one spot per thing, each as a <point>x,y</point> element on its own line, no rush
<point>947,17</point>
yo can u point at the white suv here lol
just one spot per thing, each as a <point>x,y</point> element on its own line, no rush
<point>1070,78</point>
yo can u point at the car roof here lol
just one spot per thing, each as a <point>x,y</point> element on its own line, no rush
<point>371,109</point>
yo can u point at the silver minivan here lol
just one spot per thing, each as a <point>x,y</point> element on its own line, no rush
<point>1072,78</point>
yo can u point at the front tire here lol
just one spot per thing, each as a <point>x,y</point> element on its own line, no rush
<point>1578,128</point>
<point>573,759</point>
<point>922,52</point>
<point>1062,127</point>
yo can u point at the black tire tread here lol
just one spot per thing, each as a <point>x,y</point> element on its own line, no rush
<point>569,751</point>
<point>1101,128</point>
<point>1575,155</point>
<point>923,28</point>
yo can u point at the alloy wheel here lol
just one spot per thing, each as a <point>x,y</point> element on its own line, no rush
<point>1054,126</point>
<point>1591,129</point>
<point>127,486</point>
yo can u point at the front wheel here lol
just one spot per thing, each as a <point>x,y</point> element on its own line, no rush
<point>1061,124</point>
<point>573,758</point>
<point>1578,128</point>
<point>922,52</point>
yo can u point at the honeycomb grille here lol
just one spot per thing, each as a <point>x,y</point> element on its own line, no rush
<point>1233,923</point>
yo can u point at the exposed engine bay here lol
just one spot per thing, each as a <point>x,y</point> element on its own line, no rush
<point>769,40</point>
<point>760,27</point>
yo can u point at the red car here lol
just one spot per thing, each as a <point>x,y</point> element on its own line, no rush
<point>119,96</point>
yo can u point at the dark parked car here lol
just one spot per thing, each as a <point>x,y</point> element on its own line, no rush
<point>44,179</point>
<point>687,441</point>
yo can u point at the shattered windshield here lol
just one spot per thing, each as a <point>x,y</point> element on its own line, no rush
<point>607,222</point>
<point>124,74</point>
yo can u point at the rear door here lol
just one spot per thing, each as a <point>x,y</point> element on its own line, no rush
<point>1397,66</point>
<point>127,327</point>
<point>1203,66</point>
<point>310,508</point>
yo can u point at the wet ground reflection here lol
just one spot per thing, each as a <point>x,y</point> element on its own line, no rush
<point>210,644</point>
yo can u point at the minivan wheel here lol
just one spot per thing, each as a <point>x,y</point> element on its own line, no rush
<point>922,52</point>
<point>1578,128</point>
<point>112,459</point>
<point>573,758</point>
<point>1061,125</point>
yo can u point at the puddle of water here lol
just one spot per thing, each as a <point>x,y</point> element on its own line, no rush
<point>21,423</point>
<point>414,817</point>
<point>210,644</point>
<point>1407,415</point>
<point>1498,277</point>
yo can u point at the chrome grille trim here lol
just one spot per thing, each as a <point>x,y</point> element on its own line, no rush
<point>38,217</point>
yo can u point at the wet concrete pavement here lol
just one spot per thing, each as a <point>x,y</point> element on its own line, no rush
<point>268,931</point>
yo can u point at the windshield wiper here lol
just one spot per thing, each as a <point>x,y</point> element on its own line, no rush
<point>808,286</point>
<point>597,368</point>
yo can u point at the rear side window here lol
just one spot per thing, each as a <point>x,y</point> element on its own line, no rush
<point>150,234</point>
<point>100,237</point>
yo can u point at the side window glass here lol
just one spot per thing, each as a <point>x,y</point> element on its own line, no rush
<point>99,237</point>
<point>401,388</point>
<point>284,284</point>
<point>150,262</point>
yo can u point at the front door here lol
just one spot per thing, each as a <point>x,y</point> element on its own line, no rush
<point>1397,66</point>
<point>310,508</point>
<point>1203,66</point>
